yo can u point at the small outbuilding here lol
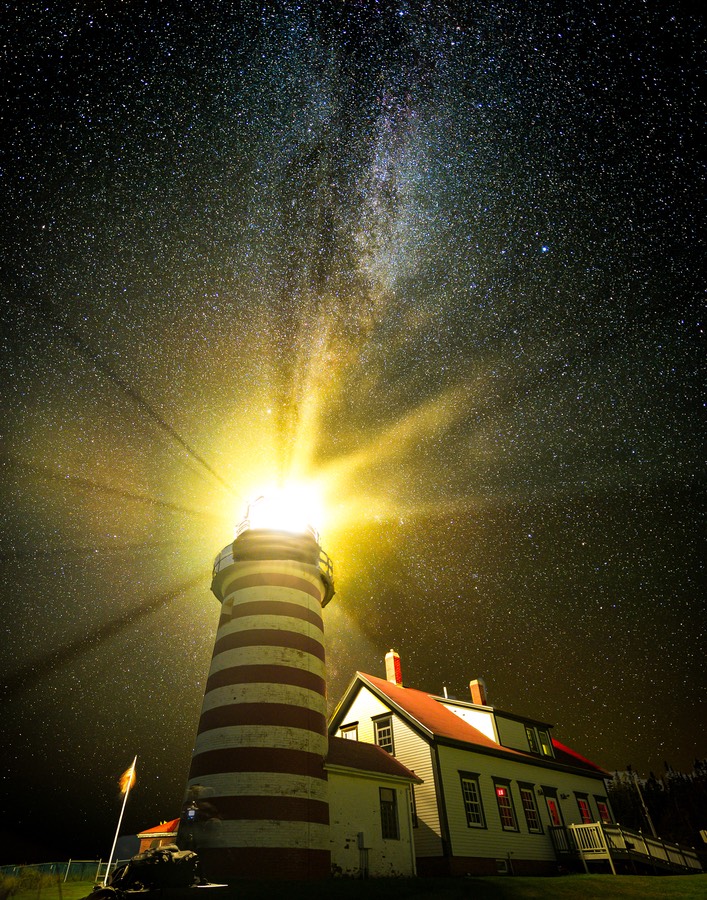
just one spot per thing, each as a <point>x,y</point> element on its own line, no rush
<point>370,811</point>
<point>158,836</point>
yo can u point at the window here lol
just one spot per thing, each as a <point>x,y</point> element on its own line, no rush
<point>603,808</point>
<point>350,732</point>
<point>413,806</point>
<point>532,818</point>
<point>389,814</point>
<point>545,742</point>
<point>505,806</point>
<point>532,740</point>
<point>472,800</point>
<point>585,814</point>
<point>383,734</point>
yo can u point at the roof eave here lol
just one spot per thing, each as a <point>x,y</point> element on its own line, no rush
<point>374,775</point>
<point>359,680</point>
<point>518,756</point>
<point>346,698</point>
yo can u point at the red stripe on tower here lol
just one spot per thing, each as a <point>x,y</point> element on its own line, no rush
<point>257,797</point>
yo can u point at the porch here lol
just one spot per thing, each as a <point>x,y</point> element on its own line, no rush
<point>631,849</point>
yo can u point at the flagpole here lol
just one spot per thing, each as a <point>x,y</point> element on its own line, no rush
<point>131,775</point>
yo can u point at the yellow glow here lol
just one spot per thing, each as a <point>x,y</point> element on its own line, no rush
<point>295,508</point>
<point>127,780</point>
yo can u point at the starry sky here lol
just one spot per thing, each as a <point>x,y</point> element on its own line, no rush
<point>442,260</point>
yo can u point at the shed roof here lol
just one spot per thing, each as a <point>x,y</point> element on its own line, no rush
<point>366,758</point>
<point>166,829</point>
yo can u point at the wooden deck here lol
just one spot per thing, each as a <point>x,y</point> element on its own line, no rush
<point>612,843</point>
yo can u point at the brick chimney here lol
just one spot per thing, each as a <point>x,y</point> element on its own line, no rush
<point>393,670</point>
<point>478,691</point>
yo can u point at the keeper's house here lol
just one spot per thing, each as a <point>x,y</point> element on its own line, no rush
<point>493,783</point>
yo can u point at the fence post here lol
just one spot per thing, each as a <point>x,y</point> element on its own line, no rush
<point>68,867</point>
<point>600,826</point>
<point>579,849</point>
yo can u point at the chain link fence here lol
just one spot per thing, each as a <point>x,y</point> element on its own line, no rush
<point>73,870</point>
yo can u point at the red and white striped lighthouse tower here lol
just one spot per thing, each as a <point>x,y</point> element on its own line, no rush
<point>257,798</point>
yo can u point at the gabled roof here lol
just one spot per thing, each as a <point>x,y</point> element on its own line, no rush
<point>366,758</point>
<point>166,829</point>
<point>428,712</point>
<point>429,716</point>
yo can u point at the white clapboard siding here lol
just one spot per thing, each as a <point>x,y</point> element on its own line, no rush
<point>512,733</point>
<point>414,752</point>
<point>364,708</point>
<point>493,842</point>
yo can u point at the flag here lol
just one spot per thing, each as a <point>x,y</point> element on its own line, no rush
<point>127,779</point>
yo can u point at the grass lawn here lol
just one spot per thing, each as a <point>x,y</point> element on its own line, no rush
<point>568,887</point>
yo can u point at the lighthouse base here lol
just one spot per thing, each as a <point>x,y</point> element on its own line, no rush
<point>264,863</point>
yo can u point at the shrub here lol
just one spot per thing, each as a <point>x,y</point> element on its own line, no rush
<point>9,886</point>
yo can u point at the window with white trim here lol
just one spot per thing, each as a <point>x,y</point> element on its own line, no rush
<point>532,739</point>
<point>350,732</point>
<point>506,811</point>
<point>471,795</point>
<point>530,809</point>
<point>545,742</point>
<point>383,734</point>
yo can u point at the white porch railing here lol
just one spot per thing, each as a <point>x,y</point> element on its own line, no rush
<point>595,840</point>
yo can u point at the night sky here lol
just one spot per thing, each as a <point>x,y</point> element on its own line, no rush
<point>442,260</point>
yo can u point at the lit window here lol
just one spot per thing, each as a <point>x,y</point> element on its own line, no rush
<point>603,808</point>
<point>472,801</point>
<point>383,734</point>
<point>505,807</point>
<point>545,742</point>
<point>532,739</point>
<point>585,813</point>
<point>532,818</point>
<point>389,814</point>
<point>350,732</point>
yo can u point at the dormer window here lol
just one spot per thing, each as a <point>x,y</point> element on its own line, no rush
<point>532,739</point>
<point>545,742</point>
<point>539,741</point>
<point>350,732</point>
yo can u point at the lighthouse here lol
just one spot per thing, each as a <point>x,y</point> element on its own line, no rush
<point>257,801</point>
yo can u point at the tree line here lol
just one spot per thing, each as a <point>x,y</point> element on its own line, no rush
<point>675,803</point>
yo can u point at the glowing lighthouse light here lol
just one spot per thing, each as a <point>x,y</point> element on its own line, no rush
<point>295,508</point>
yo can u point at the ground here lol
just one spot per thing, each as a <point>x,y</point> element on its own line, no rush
<point>570,887</point>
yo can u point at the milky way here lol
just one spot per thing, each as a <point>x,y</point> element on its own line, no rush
<point>446,263</point>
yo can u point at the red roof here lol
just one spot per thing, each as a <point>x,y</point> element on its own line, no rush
<point>443,723</point>
<point>572,758</point>
<point>366,758</point>
<point>430,713</point>
<point>165,829</point>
